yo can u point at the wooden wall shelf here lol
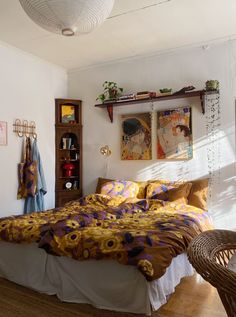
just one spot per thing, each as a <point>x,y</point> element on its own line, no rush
<point>197,93</point>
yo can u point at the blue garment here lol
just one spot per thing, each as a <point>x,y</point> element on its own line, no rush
<point>36,203</point>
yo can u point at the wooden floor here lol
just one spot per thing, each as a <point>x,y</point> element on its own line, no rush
<point>192,298</point>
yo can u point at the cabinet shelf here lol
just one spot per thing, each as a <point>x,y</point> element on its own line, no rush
<point>69,177</point>
<point>69,190</point>
<point>68,125</point>
<point>70,160</point>
<point>68,149</point>
<point>198,93</point>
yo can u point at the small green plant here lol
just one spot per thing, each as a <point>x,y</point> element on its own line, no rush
<point>111,91</point>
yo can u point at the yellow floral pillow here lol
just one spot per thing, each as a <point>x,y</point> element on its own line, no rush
<point>142,186</point>
<point>169,191</point>
<point>125,189</point>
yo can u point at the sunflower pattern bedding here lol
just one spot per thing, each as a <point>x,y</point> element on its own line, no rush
<point>146,233</point>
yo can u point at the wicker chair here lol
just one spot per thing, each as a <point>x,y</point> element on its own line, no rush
<point>209,253</point>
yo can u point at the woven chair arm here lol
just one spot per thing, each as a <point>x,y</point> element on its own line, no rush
<point>203,253</point>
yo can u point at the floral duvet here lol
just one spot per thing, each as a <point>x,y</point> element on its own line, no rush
<point>145,233</point>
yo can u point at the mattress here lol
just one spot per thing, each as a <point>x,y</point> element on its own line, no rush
<point>105,284</point>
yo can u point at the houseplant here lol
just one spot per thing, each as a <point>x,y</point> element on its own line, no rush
<point>111,91</point>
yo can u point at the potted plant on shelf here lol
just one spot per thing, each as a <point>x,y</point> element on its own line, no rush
<point>111,92</point>
<point>212,85</point>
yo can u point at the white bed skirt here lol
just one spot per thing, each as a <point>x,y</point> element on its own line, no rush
<point>104,284</point>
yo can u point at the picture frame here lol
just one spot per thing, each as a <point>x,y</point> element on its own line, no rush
<point>136,136</point>
<point>174,134</point>
<point>3,133</point>
<point>68,113</point>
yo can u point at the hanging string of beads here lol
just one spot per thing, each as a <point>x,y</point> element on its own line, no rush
<point>213,124</point>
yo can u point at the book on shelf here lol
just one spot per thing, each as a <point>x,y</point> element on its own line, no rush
<point>126,97</point>
<point>142,93</point>
<point>144,96</point>
<point>121,98</point>
<point>162,94</point>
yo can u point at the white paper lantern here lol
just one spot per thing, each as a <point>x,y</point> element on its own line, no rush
<point>68,17</point>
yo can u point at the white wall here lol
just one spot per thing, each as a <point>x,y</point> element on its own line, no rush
<point>28,87</point>
<point>177,70</point>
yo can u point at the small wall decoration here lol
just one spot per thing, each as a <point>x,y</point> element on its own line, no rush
<point>136,141</point>
<point>3,133</point>
<point>174,134</point>
<point>67,114</point>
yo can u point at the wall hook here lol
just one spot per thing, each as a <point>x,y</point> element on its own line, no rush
<point>25,128</point>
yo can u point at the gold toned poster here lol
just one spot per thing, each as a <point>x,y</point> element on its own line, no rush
<point>174,134</point>
<point>136,140</point>
<point>67,113</point>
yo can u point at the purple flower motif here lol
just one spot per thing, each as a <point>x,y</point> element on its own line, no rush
<point>164,188</point>
<point>128,237</point>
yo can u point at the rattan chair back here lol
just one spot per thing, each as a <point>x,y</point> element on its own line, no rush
<point>209,253</point>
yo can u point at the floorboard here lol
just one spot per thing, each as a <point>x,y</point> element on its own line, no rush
<point>193,298</point>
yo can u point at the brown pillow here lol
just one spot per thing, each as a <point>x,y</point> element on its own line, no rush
<point>169,191</point>
<point>142,186</point>
<point>198,193</point>
<point>180,194</point>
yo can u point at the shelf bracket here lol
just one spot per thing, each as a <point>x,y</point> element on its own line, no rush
<point>203,105</point>
<point>110,112</point>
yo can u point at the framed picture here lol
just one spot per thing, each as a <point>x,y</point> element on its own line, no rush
<point>174,134</point>
<point>68,114</point>
<point>136,138</point>
<point>3,133</point>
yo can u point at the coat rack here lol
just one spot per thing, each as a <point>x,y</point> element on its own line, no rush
<point>25,128</point>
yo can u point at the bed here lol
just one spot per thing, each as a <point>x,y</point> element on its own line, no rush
<point>131,251</point>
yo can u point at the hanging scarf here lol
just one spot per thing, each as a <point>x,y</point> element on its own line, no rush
<point>27,172</point>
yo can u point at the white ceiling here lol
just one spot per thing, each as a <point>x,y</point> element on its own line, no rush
<point>130,31</point>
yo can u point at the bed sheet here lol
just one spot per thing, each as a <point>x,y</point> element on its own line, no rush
<point>105,284</point>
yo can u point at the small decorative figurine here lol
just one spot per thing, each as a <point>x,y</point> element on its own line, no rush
<point>68,185</point>
<point>68,167</point>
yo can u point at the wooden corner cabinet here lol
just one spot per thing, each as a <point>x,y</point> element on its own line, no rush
<point>68,148</point>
